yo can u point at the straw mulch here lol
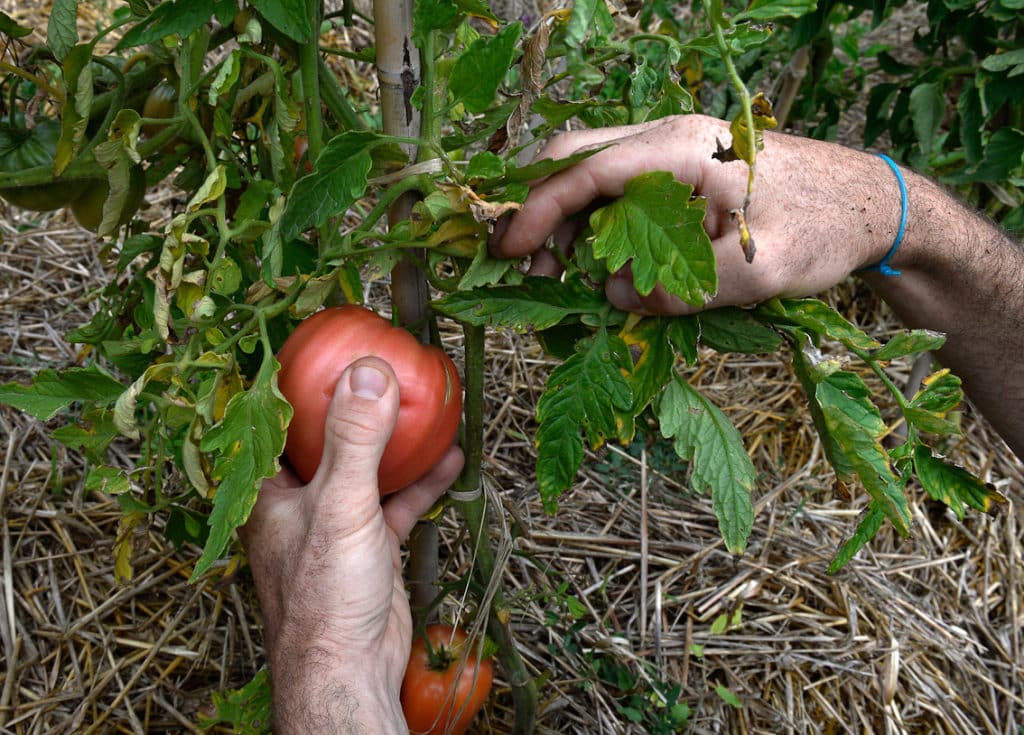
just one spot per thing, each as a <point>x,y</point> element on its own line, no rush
<point>918,635</point>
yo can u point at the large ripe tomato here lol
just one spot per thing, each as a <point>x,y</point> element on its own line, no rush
<point>430,393</point>
<point>440,694</point>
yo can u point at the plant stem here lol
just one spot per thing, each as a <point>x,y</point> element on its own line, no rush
<point>474,514</point>
<point>309,60</point>
<point>335,99</point>
<point>741,90</point>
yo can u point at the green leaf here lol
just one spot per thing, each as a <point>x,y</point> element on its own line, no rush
<point>10,27</point>
<point>174,17</point>
<point>644,84</point>
<point>587,15</point>
<point>856,425</point>
<point>484,270</point>
<point>338,180</point>
<point>869,525</point>
<point>62,28</point>
<point>972,123</point>
<point>247,443</point>
<point>248,710</point>
<point>909,343</point>
<point>432,15</point>
<point>927,108</point>
<point>537,303</point>
<point>546,167</point>
<point>684,333</point>
<point>581,394</point>
<point>482,67</point>
<point>1007,60</point>
<point>660,229</point>
<point>51,391</point>
<point>92,435</point>
<point>929,410</point>
<point>728,696</point>
<point>952,485</point>
<point>119,157</point>
<point>485,165</point>
<point>732,329</point>
<point>820,318</point>
<point>762,10</point>
<point>109,480</point>
<point>291,17</point>
<point>705,437</point>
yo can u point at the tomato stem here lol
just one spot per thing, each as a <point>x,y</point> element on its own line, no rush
<point>474,514</point>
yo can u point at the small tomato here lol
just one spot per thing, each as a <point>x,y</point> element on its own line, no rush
<point>445,685</point>
<point>430,393</point>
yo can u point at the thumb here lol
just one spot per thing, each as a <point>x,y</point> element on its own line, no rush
<point>359,423</point>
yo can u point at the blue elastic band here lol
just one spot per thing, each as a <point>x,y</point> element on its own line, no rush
<point>883,266</point>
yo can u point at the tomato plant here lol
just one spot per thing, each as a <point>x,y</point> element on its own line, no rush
<point>445,683</point>
<point>430,391</point>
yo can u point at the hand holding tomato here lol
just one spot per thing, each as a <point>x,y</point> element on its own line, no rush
<point>325,559</point>
<point>430,392</point>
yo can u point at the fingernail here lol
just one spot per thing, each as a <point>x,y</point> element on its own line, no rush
<point>368,382</point>
<point>621,293</point>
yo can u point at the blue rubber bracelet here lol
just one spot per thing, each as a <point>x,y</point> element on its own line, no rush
<point>883,266</point>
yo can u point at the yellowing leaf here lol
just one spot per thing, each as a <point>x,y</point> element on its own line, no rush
<point>128,532</point>
<point>247,444</point>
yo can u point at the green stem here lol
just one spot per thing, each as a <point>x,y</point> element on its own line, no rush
<point>336,101</point>
<point>309,61</point>
<point>430,121</point>
<point>474,514</point>
<point>741,90</point>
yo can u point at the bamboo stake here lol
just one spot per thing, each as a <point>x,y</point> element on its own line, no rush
<point>398,71</point>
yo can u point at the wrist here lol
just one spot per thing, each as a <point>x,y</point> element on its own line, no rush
<point>314,691</point>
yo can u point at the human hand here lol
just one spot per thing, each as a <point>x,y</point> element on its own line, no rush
<point>325,558</point>
<point>819,211</point>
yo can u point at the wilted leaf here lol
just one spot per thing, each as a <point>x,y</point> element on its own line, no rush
<point>818,317</point>
<point>854,423</point>
<point>247,442</point>
<point>868,527</point>
<point>954,486</point>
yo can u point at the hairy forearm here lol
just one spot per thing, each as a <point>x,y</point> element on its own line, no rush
<point>316,695</point>
<point>964,276</point>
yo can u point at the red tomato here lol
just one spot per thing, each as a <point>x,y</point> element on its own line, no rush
<point>430,393</point>
<point>439,694</point>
